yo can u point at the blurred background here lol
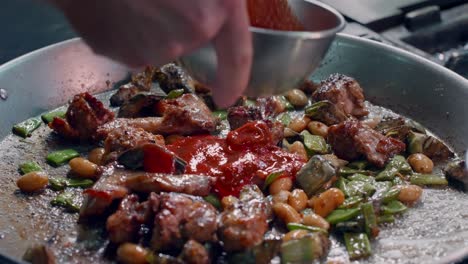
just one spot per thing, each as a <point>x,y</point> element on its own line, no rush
<point>435,29</point>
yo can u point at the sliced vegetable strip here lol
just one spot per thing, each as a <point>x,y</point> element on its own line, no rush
<point>49,117</point>
<point>58,158</point>
<point>29,167</point>
<point>25,128</point>
<point>357,245</point>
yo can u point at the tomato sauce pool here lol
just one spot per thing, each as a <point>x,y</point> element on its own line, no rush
<point>247,155</point>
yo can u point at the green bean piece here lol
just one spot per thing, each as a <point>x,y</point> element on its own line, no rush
<point>345,171</point>
<point>58,184</point>
<point>285,119</point>
<point>391,194</point>
<point>314,110</point>
<point>25,128</point>
<point>351,202</point>
<point>58,158</point>
<point>342,184</point>
<point>296,226</point>
<point>370,219</point>
<point>303,250</point>
<point>49,117</point>
<point>175,94</point>
<point>349,226</point>
<point>393,207</point>
<point>342,215</point>
<point>213,200</point>
<point>428,179</point>
<point>357,245</point>
<point>361,177</point>
<point>66,200</point>
<point>359,165</point>
<point>314,144</point>
<point>360,188</point>
<point>285,102</point>
<point>221,114</point>
<point>381,187</point>
<point>416,142</point>
<point>396,164</point>
<point>271,178</point>
<point>397,181</point>
<point>385,219</point>
<point>29,166</point>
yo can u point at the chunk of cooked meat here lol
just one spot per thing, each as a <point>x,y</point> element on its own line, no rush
<point>352,139</point>
<point>84,115</point>
<point>346,99</point>
<point>182,217</point>
<point>155,182</point>
<point>144,80</point>
<point>243,225</point>
<point>97,199</point>
<point>172,77</point>
<point>457,170</point>
<point>124,224</point>
<point>195,253</point>
<point>124,138</point>
<point>185,115</point>
<point>140,105</point>
<point>240,115</point>
<point>124,94</point>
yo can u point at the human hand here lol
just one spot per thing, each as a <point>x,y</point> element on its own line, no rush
<point>156,32</point>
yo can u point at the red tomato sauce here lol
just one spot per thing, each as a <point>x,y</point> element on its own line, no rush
<point>246,156</point>
<point>273,14</point>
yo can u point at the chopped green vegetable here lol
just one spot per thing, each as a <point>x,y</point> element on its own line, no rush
<point>370,219</point>
<point>221,114</point>
<point>49,117</point>
<point>396,164</point>
<point>361,177</point>
<point>285,102</point>
<point>359,165</point>
<point>303,250</point>
<point>351,202</point>
<point>285,119</point>
<point>360,188</point>
<point>397,181</point>
<point>341,184</point>
<point>349,226</point>
<point>428,179</point>
<point>345,171</point>
<point>213,200</point>
<point>25,128</point>
<point>386,219</point>
<point>391,194</point>
<point>314,144</point>
<point>58,184</point>
<point>296,226</point>
<point>416,142</point>
<point>30,166</point>
<point>357,245</point>
<point>381,187</point>
<point>314,174</point>
<point>393,207</point>
<point>67,200</point>
<point>58,158</point>
<point>271,178</point>
<point>314,110</point>
<point>175,94</point>
<point>342,215</point>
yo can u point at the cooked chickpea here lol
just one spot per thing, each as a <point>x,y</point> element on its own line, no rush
<point>281,184</point>
<point>289,132</point>
<point>228,201</point>
<point>299,124</point>
<point>173,138</point>
<point>281,197</point>
<point>286,213</point>
<point>410,194</point>
<point>318,128</point>
<point>33,181</point>
<point>421,163</point>
<point>298,200</point>
<point>83,168</point>
<point>96,155</point>
<point>298,148</point>
<point>294,235</point>
<point>312,219</point>
<point>129,253</point>
<point>327,201</point>
<point>297,97</point>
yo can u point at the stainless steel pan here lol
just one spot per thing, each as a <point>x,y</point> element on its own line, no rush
<point>436,231</point>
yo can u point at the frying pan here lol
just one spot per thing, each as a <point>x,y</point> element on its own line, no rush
<point>436,231</point>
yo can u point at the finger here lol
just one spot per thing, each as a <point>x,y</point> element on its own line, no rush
<point>234,51</point>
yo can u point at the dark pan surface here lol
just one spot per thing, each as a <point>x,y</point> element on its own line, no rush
<point>435,231</point>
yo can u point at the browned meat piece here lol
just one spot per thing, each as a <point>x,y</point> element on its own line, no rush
<point>124,94</point>
<point>186,183</point>
<point>108,188</point>
<point>240,115</point>
<point>309,87</point>
<point>172,77</point>
<point>144,80</point>
<point>124,224</point>
<point>195,253</point>
<point>243,225</point>
<point>276,130</point>
<point>270,106</point>
<point>182,217</point>
<point>140,105</point>
<point>352,139</point>
<point>84,115</point>
<point>346,99</point>
<point>124,138</point>
<point>186,115</point>
<point>457,170</point>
